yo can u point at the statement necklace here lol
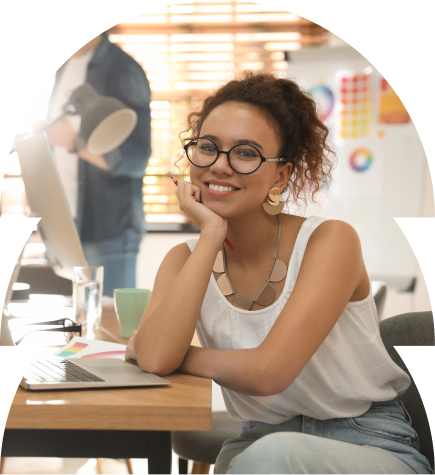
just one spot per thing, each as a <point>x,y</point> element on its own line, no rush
<point>266,295</point>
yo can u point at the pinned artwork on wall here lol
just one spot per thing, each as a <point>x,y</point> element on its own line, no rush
<point>360,169</point>
<point>324,98</point>
<point>391,108</point>
<point>356,111</point>
<point>360,160</point>
<point>324,93</point>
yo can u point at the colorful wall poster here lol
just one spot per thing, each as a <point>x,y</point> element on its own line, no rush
<point>391,108</point>
<point>361,159</point>
<point>324,98</point>
<point>360,168</point>
<point>356,110</point>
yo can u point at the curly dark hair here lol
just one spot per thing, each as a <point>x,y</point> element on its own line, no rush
<point>292,113</point>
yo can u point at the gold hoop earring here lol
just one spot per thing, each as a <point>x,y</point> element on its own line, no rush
<point>273,205</point>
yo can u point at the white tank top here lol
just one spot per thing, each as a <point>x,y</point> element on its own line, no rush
<point>349,371</point>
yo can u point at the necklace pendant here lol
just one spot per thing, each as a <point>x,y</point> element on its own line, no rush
<point>267,295</point>
<point>218,265</point>
<point>224,285</point>
<point>242,302</point>
<point>279,271</point>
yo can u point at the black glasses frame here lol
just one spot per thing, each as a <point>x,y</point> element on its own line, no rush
<point>76,327</point>
<point>263,159</point>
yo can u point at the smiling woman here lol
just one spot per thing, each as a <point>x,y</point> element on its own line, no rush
<point>287,321</point>
<point>301,136</point>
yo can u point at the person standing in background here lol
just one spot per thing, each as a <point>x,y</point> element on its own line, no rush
<point>104,192</point>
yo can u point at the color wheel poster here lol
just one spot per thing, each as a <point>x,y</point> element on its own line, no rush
<point>360,168</point>
<point>322,94</point>
<point>80,347</point>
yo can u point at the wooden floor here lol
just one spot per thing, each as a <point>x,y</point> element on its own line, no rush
<point>79,466</point>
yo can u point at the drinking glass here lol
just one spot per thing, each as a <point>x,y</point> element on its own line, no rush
<point>88,296</point>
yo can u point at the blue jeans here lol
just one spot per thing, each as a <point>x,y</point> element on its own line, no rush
<point>118,255</point>
<point>380,441</point>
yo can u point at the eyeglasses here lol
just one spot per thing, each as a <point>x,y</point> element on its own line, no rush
<point>242,158</point>
<point>69,328</point>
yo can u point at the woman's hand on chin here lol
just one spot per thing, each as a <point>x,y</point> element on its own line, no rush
<point>189,198</point>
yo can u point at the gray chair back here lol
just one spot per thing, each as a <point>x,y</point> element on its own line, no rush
<point>412,329</point>
<point>379,296</point>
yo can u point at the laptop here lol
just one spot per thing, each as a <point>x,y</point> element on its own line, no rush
<point>60,373</point>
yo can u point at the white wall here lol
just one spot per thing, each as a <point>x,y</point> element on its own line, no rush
<point>153,249</point>
<point>403,302</point>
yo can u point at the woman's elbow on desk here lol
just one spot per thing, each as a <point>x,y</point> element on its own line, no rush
<point>157,363</point>
<point>158,369</point>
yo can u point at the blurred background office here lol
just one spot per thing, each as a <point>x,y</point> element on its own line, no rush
<point>188,49</point>
<point>104,191</point>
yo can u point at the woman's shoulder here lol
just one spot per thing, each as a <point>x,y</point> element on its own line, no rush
<point>292,219</point>
<point>335,235</point>
<point>321,232</point>
<point>336,228</point>
<point>178,255</point>
<point>322,225</point>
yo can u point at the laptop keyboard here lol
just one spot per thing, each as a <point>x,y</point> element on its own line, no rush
<point>62,371</point>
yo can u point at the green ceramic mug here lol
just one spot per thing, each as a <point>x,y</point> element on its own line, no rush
<point>130,304</point>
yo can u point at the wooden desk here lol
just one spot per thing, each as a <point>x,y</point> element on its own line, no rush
<point>109,423</point>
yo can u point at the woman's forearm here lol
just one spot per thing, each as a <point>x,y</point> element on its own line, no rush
<point>237,370</point>
<point>165,335</point>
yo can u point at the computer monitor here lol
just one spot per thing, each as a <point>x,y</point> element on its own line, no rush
<point>48,201</point>
<point>5,334</point>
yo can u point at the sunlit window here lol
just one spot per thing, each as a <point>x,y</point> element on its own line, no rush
<point>187,50</point>
<point>190,48</point>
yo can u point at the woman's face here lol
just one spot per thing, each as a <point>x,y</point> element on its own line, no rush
<point>227,125</point>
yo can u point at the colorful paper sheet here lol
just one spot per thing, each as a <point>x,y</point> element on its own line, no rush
<point>360,168</point>
<point>80,347</point>
<point>324,98</point>
<point>356,105</point>
<point>391,108</point>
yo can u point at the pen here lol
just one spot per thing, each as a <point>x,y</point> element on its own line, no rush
<point>226,240</point>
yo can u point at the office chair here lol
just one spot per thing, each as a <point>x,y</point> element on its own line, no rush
<point>379,290</point>
<point>409,329</point>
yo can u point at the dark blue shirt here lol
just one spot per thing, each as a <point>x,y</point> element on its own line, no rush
<point>110,202</point>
